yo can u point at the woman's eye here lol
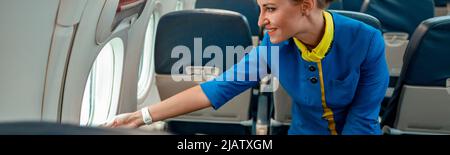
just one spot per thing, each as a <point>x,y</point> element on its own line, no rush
<point>270,9</point>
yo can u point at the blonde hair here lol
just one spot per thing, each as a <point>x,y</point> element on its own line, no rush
<point>320,3</point>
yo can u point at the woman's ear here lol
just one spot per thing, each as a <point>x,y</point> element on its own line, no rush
<point>308,6</point>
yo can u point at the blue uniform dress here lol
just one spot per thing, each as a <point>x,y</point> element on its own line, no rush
<point>355,77</point>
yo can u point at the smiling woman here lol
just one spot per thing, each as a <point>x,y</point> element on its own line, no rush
<point>334,90</point>
<point>280,25</point>
<point>304,26</point>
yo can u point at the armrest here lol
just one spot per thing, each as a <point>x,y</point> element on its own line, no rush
<point>262,120</point>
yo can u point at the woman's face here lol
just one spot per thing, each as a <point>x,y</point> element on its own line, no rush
<point>281,18</point>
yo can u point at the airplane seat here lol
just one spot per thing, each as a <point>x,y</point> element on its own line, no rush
<point>399,19</point>
<point>400,15</point>
<point>283,102</point>
<point>36,37</point>
<point>188,33</point>
<point>420,104</point>
<point>248,8</point>
<point>104,24</point>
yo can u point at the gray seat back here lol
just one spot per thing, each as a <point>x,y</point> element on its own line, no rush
<point>219,28</point>
<point>421,100</point>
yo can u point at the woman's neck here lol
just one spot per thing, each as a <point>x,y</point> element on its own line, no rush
<point>314,31</point>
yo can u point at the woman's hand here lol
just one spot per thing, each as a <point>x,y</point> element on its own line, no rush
<point>125,120</point>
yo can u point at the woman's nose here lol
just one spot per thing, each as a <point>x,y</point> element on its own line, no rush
<point>262,22</point>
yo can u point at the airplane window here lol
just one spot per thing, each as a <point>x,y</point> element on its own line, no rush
<point>179,6</point>
<point>101,94</point>
<point>146,66</point>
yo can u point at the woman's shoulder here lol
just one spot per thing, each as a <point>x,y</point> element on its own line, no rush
<point>349,25</point>
<point>353,33</point>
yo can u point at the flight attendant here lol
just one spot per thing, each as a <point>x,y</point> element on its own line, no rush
<point>333,67</point>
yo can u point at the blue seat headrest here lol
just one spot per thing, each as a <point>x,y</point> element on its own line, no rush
<point>401,15</point>
<point>248,8</point>
<point>427,58</point>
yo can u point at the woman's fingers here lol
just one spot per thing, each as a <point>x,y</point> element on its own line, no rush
<point>106,124</point>
<point>119,121</point>
<point>112,123</point>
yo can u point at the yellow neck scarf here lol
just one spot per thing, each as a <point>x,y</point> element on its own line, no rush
<point>319,52</point>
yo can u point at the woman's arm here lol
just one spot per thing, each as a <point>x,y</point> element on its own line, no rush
<point>213,93</point>
<point>187,101</point>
